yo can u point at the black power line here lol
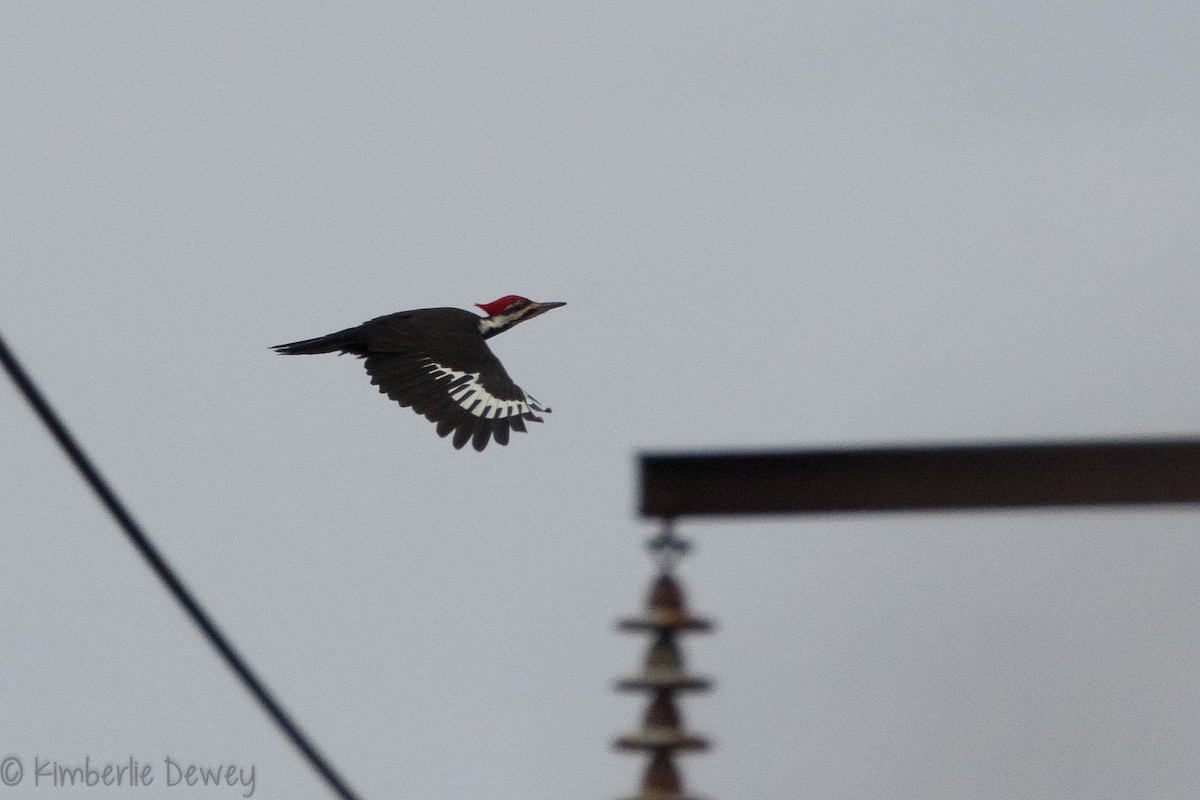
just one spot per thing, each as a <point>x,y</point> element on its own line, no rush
<point>165,573</point>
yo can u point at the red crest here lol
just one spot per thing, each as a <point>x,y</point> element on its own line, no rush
<point>496,306</point>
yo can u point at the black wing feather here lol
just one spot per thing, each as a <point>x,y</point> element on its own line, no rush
<point>441,368</point>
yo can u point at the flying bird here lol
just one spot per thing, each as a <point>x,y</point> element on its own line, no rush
<point>436,361</point>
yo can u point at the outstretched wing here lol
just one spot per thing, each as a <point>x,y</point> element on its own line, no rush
<point>435,361</point>
<point>475,406</point>
<point>443,369</point>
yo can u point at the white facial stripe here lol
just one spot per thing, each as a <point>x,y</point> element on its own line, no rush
<point>471,395</point>
<point>502,319</point>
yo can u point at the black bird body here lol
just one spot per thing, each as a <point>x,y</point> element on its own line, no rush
<point>437,361</point>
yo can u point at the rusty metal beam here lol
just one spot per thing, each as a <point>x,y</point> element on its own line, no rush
<point>913,478</point>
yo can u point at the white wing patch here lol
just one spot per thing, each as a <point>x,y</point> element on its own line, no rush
<point>468,392</point>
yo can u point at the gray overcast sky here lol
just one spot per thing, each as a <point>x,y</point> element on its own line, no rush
<point>775,224</point>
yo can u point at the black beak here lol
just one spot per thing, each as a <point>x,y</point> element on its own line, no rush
<point>542,308</point>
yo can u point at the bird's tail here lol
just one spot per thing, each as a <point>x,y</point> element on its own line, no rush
<point>347,341</point>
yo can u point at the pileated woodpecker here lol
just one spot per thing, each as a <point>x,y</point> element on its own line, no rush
<point>437,361</point>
